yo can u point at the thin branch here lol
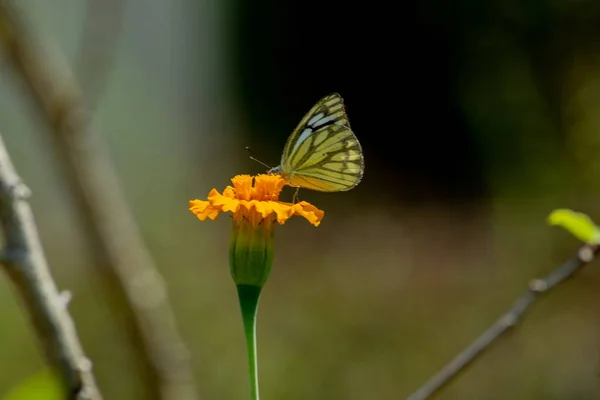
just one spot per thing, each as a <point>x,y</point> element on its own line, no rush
<point>24,262</point>
<point>124,262</point>
<point>536,288</point>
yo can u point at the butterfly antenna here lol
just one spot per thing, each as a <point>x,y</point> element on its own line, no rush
<point>254,157</point>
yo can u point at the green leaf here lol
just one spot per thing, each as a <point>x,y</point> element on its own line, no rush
<point>578,224</point>
<point>44,385</point>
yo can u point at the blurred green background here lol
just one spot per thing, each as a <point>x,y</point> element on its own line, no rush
<point>476,119</point>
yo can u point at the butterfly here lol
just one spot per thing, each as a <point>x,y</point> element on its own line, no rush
<point>322,153</point>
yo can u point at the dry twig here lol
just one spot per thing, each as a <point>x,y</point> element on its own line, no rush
<point>125,262</point>
<point>536,288</point>
<point>24,261</point>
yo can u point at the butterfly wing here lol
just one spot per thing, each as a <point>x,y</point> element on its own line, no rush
<point>329,110</point>
<point>323,153</point>
<point>330,160</point>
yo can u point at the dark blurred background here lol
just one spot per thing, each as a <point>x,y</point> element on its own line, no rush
<point>476,120</point>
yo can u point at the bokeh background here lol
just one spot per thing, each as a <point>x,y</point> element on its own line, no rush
<point>476,120</point>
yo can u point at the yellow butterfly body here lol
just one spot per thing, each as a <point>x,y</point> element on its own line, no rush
<point>323,153</point>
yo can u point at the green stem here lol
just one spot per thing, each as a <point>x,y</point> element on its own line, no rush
<point>249,295</point>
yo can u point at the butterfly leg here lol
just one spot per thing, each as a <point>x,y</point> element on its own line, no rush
<point>295,198</point>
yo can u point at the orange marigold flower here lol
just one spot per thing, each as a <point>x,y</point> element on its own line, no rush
<point>254,203</point>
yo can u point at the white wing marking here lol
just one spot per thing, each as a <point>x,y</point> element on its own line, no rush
<point>322,121</point>
<point>315,119</point>
<point>303,136</point>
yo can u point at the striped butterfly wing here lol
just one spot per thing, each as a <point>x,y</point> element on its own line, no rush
<point>323,153</point>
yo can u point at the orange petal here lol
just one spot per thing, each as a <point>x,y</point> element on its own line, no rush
<point>283,211</point>
<point>203,210</point>
<point>310,212</point>
<point>243,186</point>
<point>229,192</point>
<point>268,187</point>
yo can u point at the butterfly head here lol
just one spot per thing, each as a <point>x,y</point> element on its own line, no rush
<point>275,170</point>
